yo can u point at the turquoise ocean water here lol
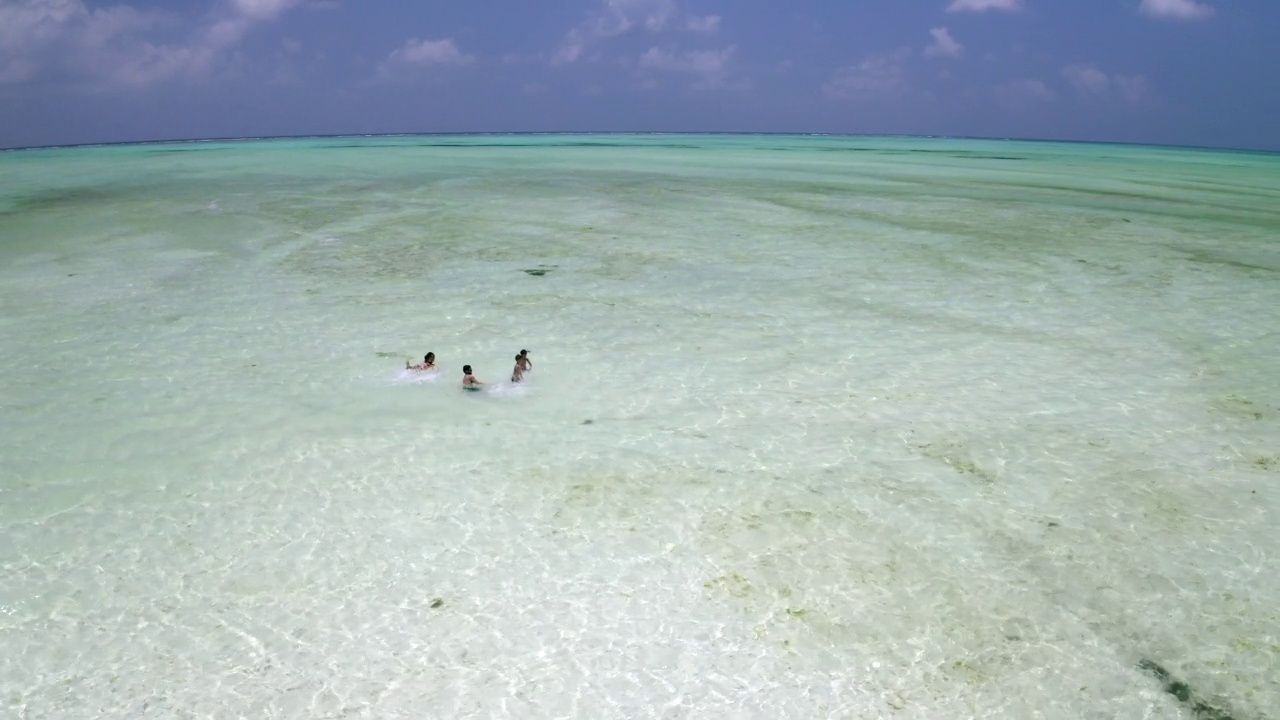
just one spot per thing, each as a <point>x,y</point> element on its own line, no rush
<point>817,427</point>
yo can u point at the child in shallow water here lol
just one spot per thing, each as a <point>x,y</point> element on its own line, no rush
<point>428,363</point>
<point>517,373</point>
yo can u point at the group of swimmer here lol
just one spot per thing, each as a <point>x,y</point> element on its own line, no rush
<point>469,380</point>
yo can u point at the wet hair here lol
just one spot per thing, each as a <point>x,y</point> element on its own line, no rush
<point>518,357</point>
<point>466,369</point>
<point>523,353</point>
<point>428,357</point>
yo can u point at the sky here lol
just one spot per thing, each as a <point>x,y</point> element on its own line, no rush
<point>1183,72</point>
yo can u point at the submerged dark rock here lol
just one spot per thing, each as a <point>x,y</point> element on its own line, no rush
<point>537,272</point>
<point>437,603</point>
<point>1182,691</point>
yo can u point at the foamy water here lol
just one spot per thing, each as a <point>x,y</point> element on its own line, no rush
<point>817,427</point>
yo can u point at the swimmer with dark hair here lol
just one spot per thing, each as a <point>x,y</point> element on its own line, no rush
<point>524,362</point>
<point>428,363</point>
<point>517,373</point>
<point>469,381</point>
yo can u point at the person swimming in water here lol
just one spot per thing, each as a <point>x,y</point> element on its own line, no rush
<point>469,381</point>
<point>428,363</point>
<point>524,362</point>
<point>517,373</point>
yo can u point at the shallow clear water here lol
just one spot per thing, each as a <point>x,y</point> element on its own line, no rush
<point>817,427</point>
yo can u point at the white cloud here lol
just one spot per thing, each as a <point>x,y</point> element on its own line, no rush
<point>1092,83</point>
<point>709,66</point>
<point>109,44</point>
<point>1134,88</point>
<point>944,45</point>
<point>878,73</point>
<point>230,30</point>
<point>1087,79</point>
<point>26,27</point>
<point>1177,9</point>
<point>614,18</point>
<point>147,64</point>
<point>38,34</point>
<point>263,9</point>
<point>708,24</point>
<point>108,23</point>
<point>1023,94</point>
<point>984,5</point>
<point>35,21</point>
<point>227,32</point>
<point>425,53</point>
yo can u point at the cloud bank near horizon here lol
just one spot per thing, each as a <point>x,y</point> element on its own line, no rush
<point>622,64</point>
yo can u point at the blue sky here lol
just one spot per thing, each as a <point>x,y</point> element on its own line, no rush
<point>1199,72</point>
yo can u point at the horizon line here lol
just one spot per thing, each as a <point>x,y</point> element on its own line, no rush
<point>323,136</point>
